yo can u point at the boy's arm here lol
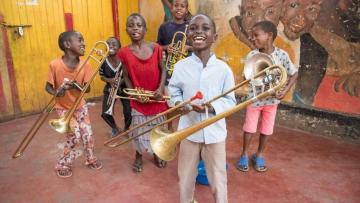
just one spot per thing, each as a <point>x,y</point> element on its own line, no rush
<point>292,71</point>
<point>127,80</point>
<point>167,3</point>
<point>291,81</point>
<point>174,88</point>
<point>159,92</point>
<point>235,27</point>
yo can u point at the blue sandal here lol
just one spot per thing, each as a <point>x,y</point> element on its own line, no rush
<point>259,163</point>
<point>243,164</point>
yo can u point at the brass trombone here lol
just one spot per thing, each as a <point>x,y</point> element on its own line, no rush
<point>121,139</point>
<point>141,95</point>
<point>61,123</point>
<point>164,143</point>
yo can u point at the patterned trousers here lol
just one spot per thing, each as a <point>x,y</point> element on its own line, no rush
<point>82,132</point>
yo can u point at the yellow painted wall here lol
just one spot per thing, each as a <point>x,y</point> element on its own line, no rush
<point>33,52</point>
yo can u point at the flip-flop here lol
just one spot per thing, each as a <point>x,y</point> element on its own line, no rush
<point>243,164</point>
<point>96,165</point>
<point>137,166</point>
<point>64,173</point>
<point>259,163</point>
<point>159,162</point>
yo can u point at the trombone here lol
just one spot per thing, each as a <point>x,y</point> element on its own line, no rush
<point>164,143</point>
<point>62,125</point>
<point>141,95</point>
<point>121,139</point>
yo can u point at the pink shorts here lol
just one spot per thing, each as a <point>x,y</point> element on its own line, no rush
<point>268,114</point>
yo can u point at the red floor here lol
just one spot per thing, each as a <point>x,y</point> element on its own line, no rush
<point>302,168</point>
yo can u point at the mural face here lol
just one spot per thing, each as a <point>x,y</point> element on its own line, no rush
<point>299,16</point>
<point>253,11</point>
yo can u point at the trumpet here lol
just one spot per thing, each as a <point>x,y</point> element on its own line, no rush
<point>99,57</point>
<point>178,52</point>
<point>141,95</point>
<point>113,93</point>
<point>122,139</point>
<point>164,143</point>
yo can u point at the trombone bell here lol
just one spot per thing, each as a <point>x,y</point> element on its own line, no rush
<point>60,125</point>
<point>163,145</point>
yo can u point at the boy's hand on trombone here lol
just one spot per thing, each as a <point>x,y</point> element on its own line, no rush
<point>184,109</point>
<point>202,108</point>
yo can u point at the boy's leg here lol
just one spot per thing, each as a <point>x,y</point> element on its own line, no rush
<point>64,164</point>
<point>126,113</point>
<point>262,144</point>
<point>109,119</point>
<point>250,126</point>
<point>266,127</point>
<point>86,134</point>
<point>214,156</point>
<point>189,157</point>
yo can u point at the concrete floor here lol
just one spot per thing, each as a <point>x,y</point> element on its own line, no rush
<point>302,168</point>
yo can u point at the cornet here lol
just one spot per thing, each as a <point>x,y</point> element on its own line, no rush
<point>141,95</point>
<point>113,93</point>
<point>178,52</point>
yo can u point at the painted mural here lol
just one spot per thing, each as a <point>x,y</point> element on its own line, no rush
<point>321,36</point>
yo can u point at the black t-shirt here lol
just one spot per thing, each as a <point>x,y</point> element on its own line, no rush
<point>167,30</point>
<point>108,71</point>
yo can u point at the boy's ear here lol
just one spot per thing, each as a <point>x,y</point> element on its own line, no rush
<point>66,44</point>
<point>215,36</point>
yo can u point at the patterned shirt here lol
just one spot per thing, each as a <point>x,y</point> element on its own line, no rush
<point>278,57</point>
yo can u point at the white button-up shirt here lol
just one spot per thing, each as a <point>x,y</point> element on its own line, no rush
<point>216,77</point>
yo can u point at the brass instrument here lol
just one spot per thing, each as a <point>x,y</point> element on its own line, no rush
<point>50,106</point>
<point>141,95</point>
<point>164,143</point>
<point>122,139</point>
<point>178,51</point>
<point>113,92</point>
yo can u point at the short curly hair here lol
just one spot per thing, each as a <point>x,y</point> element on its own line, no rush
<point>267,26</point>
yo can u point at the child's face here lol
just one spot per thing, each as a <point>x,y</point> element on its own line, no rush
<point>135,28</point>
<point>201,33</point>
<point>76,44</point>
<point>261,39</point>
<point>113,46</point>
<point>179,9</point>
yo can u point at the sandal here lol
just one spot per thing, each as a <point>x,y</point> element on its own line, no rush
<point>137,165</point>
<point>259,163</point>
<point>243,164</point>
<point>95,165</point>
<point>64,173</point>
<point>159,162</point>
